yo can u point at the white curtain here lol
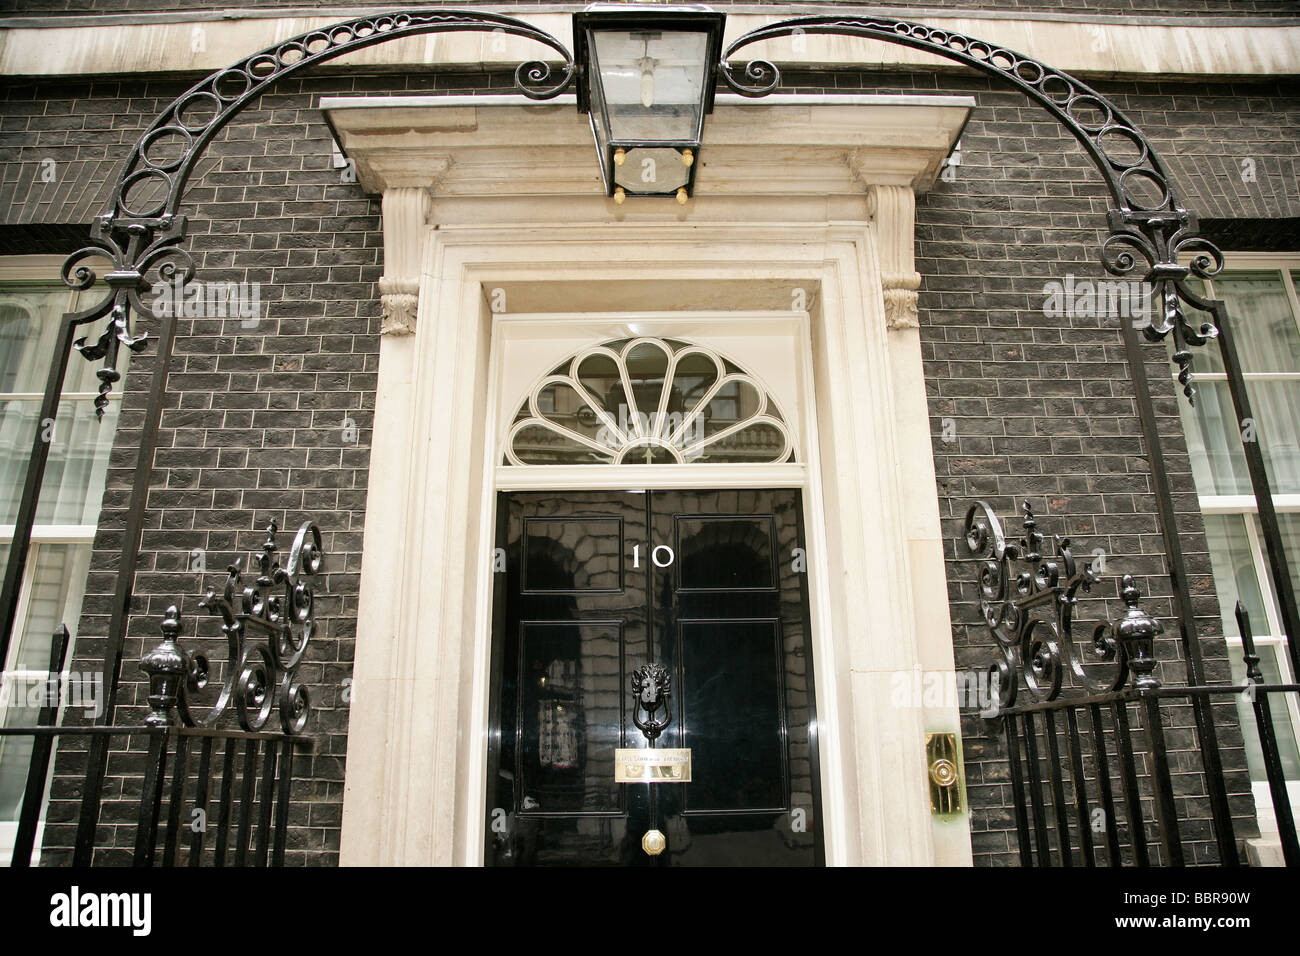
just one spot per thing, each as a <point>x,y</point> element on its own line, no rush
<point>1267,341</point>
<point>74,475</point>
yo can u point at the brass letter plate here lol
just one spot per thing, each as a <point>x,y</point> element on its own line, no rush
<point>652,766</point>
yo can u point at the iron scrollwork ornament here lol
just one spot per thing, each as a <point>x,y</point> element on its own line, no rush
<point>1029,614</point>
<point>267,624</point>
<point>651,690</point>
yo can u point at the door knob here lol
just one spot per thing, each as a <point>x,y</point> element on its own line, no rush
<point>654,843</point>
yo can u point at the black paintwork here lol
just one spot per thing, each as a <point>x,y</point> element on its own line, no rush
<point>577,612</point>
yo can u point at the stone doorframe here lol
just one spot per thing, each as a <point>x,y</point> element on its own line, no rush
<point>484,193</point>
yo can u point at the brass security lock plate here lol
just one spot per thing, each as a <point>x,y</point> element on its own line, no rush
<point>944,773</point>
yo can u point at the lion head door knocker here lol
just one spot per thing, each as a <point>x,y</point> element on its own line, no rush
<point>651,688</point>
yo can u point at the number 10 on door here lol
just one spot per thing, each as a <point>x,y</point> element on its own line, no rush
<point>661,556</point>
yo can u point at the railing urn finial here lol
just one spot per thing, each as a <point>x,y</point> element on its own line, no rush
<point>1137,631</point>
<point>166,666</point>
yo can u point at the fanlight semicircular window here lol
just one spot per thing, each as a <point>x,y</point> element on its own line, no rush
<point>647,401</point>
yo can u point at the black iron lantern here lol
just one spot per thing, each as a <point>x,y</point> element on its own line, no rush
<point>648,77</point>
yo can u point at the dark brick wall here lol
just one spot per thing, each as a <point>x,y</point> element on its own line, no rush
<point>1080,7</point>
<point>253,422</point>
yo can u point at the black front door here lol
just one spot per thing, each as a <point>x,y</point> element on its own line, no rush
<point>595,586</point>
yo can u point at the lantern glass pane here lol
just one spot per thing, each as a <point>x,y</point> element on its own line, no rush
<point>653,82</point>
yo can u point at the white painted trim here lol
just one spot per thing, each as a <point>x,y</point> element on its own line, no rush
<point>34,268</point>
<point>808,160</point>
<point>416,743</point>
<point>1247,261</point>
<point>414,787</point>
<point>1086,46</point>
<point>694,326</point>
<point>9,834</point>
<point>1245,504</point>
<point>596,477</point>
<point>1248,376</point>
<point>63,396</point>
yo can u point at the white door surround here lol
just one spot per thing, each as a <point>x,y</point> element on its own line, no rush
<point>495,210</point>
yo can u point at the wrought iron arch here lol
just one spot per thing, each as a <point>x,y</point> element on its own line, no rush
<point>142,228</point>
<point>1155,226</point>
<point>1062,95</point>
<point>141,233</point>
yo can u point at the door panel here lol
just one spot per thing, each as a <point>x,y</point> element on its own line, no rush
<point>570,617</point>
<point>597,584</point>
<point>737,635</point>
<point>732,715</point>
<point>569,719</point>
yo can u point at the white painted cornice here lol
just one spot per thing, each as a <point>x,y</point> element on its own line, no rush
<point>496,148</point>
<point>204,41</point>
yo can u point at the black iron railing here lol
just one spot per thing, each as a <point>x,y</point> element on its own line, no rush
<point>197,778</point>
<point>206,798</point>
<point>1090,769</point>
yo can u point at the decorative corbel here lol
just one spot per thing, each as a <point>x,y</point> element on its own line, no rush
<point>405,213</point>
<point>894,211</point>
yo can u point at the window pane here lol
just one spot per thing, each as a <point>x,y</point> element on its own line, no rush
<point>29,329</point>
<point>1213,445</point>
<point>1234,572</point>
<point>646,402</point>
<point>1282,727</point>
<point>1205,358</point>
<point>30,321</point>
<point>30,318</point>
<point>74,473</point>
<point>1267,339</point>
<point>1214,439</point>
<point>58,585</point>
<point>57,588</point>
<point>15,752</point>
<point>1289,523</point>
